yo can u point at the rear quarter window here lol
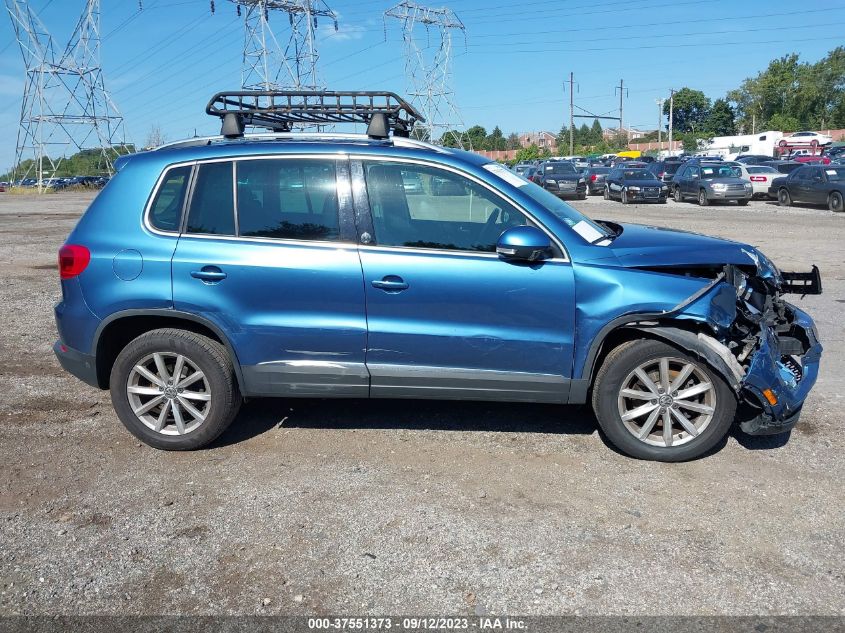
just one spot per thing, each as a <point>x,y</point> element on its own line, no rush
<point>212,209</point>
<point>166,208</point>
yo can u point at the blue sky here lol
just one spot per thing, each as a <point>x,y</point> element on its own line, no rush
<point>163,63</point>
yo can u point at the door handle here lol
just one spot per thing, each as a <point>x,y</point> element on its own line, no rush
<point>390,283</point>
<point>209,274</point>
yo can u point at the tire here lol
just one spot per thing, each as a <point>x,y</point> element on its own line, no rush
<point>617,373</point>
<point>623,197</point>
<point>214,394</point>
<point>582,196</point>
<point>677,195</point>
<point>784,199</point>
<point>607,193</point>
<point>742,203</point>
<point>703,200</point>
<point>834,202</point>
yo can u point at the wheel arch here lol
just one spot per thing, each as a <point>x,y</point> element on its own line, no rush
<point>683,335</point>
<point>117,330</point>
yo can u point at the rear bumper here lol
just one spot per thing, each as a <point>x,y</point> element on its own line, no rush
<point>83,366</point>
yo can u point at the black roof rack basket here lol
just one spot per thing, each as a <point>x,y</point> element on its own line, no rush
<point>281,110</point>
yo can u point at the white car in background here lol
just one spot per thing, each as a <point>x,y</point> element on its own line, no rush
<point>806,138</point>
<point>760,177</point>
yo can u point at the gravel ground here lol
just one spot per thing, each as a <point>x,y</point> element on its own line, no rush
<point>314,507</point>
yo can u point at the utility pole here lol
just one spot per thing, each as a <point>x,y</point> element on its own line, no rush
<point>571,114</point>
<point>659,103</point>
<point>671,117</point>
<point>621,89</point>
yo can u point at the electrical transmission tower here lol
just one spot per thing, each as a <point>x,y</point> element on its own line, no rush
<point>268,66</point>
<point>429,75</point>
<point>65,108</point>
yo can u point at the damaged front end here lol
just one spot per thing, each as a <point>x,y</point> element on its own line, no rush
<point>776,345</point>
<point>766,347</point>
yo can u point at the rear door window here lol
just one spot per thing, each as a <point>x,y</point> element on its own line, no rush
<point>212,209</point>
<point>294,199</point>
<point>166,208</point>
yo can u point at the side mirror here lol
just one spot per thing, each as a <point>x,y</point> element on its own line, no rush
<point>524,243</point>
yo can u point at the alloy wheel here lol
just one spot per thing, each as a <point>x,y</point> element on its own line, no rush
<point>836,202</point>
<point>666,402</point>
<point>169,393</point>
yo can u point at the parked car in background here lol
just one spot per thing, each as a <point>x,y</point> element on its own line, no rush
<point>595,177</point>
<point>812,184</point>
<point>711,182</point>
<point>521,168</point>
<point>835,152</point>
<point>807,157</point>
<point>754,159</point>
<point>783,166</point>
<point>760,177</point>
<point>562,179</point>
<point>814,139</point>
<point>665,170</point>
<point>531,173</point>
<point>634,185</point>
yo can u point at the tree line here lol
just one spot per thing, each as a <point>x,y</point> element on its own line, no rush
<point>789,95</point>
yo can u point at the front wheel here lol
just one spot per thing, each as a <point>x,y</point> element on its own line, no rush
<point>656,402</point>
<point>703,200</point>
<point>784,199</point>
<point>677,195</point>
<point>834,203</point>
<point>606,193</point>
<point>742,203</point>
<point>174,389</point>
<point>624,196</point>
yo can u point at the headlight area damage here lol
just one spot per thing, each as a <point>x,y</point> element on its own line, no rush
<point>766,348</point>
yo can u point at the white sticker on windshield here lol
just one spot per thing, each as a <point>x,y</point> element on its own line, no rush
<point>587,231</point>
<point>506,174</point>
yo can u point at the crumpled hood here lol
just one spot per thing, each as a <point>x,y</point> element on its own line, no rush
<point>655,246</point>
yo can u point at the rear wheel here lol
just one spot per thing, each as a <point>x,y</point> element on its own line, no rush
<point>834,202</point>
<point>654,401</point>
<point>703,200</point>
<point>784,199</point>
<point>174,390</point>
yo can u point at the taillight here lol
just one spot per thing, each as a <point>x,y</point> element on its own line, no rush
<point>758,179</point>
<point>73,259</point>
<point>660,175</point>
<point>593,177</point>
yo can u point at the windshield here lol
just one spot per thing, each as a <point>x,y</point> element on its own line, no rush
<point>590,231</point>
<point>637,174</point>
<point>560,168</point>
<point>836,174</point>
<point>720,171</point>
<point>762,170</point>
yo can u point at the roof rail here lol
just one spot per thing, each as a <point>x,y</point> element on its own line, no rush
<point>280,110</point>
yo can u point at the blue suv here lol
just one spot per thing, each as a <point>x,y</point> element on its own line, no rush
<point>376,266</point>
